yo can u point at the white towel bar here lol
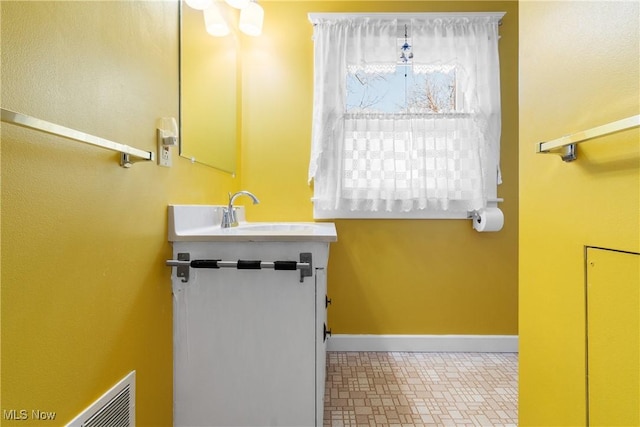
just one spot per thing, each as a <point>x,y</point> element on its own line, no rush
<point>569,142</point>
<point>29,122</point>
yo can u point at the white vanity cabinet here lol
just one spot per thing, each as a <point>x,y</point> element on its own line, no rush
<point>323,331</point>
<point>249,344</point>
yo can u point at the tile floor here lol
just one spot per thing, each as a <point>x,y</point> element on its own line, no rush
<point>421,389</point>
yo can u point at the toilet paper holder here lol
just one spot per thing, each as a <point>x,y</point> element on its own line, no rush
<point>490,218</point>
<point>475,215</point>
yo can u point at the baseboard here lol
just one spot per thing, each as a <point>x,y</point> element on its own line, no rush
<point>425,343</point>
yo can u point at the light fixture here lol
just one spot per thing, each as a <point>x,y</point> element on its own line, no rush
<point>238,4</point>
<point>214,22</point>
<point>251,18</point>
<point>199,4</point>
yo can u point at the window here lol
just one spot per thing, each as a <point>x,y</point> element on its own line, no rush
<point>406,115</point>
<point>402,91</point>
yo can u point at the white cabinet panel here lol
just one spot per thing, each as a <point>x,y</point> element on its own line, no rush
<point>248,344</point>
<point>321,343</point>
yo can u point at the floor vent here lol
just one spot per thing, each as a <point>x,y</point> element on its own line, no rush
<point>116,408</point>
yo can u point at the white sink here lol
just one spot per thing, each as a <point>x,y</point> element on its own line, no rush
<point>285,227</point>
<point>201,223</point>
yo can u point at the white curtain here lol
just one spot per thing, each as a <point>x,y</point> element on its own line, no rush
<point>401,163</point>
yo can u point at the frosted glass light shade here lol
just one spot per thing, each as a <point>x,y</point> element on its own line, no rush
<point>251,18</point>
<point>238,4</point>
<point>199,4</point>
<point>214,22</point>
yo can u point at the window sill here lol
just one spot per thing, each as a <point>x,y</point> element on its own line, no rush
<point>348,214</point>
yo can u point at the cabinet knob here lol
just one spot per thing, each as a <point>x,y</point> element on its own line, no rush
<point>326,332</point>
<point>327,301</point>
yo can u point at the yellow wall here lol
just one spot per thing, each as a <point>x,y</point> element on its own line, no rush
<point>85,294</point>
<point>578,69</point>
<point>86,297</point>
<point>385,276</point>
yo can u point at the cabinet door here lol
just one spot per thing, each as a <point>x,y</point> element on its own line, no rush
<point>244,351</point>
<point>613,337</point>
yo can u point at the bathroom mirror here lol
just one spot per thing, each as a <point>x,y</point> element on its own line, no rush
<point>208,93</point>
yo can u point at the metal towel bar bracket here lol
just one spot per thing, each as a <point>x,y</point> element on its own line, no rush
<point>569,143</point>
<point>127,154</point>
<point>184,263</point>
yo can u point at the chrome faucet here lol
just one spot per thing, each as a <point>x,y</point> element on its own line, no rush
<point>229,213</point>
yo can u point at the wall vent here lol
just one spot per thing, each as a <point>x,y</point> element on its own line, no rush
<point>116,408</point>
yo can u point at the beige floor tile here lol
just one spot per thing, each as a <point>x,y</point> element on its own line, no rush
<point>421,389</point>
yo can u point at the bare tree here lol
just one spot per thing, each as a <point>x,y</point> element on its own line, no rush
<point>433,92</point>
<point>433,95</point>
<point>371,93</point>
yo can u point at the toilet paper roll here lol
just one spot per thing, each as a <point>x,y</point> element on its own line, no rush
<point>489,219</point>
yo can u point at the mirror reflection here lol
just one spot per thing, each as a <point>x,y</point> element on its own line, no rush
<point>208,93</point>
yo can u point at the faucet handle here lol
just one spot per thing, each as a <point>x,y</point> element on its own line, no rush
<point>225,218</point>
